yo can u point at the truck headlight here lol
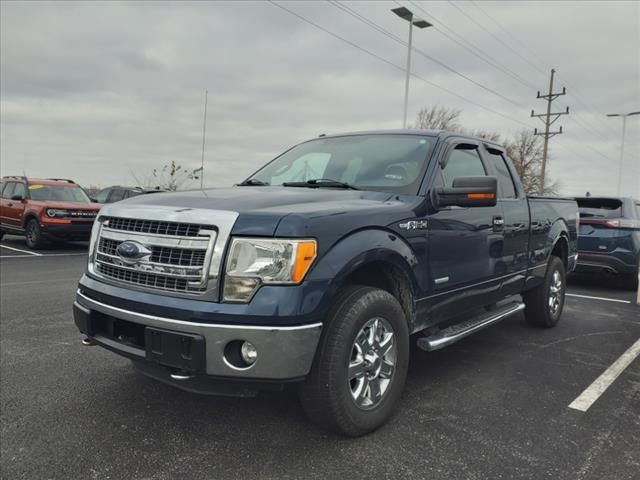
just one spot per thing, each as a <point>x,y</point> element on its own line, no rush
<point>56,213</point>
<point>255,261</point>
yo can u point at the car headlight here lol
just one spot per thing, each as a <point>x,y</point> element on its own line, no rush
<point>56,213</point>
<point>255,261</point>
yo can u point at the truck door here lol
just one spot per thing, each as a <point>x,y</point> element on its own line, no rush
<point>465,244</point>
<point>515,215</point>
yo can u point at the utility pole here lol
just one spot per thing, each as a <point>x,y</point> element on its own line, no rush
<point>204,133</point>
<point>548,119</point>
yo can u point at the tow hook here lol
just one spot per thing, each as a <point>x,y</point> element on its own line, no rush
<point>87,342</point>
<point>181,375</point>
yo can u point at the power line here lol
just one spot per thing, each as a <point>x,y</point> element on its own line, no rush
<point>496,37</point>
<point>509,34</point>
<point>471,48</point>
<point>574,92</point>
<point>380,29</point>
<point>382,59</point>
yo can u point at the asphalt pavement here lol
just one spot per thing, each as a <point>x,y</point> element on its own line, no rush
<point>493,406</point>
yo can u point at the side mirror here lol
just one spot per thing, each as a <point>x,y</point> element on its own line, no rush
<point>468,192</point>
<point>17,198</point>
<point>93,199</point>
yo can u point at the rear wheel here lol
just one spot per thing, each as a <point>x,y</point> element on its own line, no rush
<point>33,234</point>
<point>360,367</point>
<point>544,303</point>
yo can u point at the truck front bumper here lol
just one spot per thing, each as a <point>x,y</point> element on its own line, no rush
<point>187,352</point>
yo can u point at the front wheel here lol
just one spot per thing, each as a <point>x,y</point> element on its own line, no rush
<point>544,304</point>
<point>360,367</point>
<point>33,235</point>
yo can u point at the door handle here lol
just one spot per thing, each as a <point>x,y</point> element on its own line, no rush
<point>10,205</point>
<point>498,223</point>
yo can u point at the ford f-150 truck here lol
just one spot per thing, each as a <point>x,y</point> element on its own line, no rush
<point>318,268</point>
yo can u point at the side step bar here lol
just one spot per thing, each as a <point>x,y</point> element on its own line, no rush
<point>460,330</point>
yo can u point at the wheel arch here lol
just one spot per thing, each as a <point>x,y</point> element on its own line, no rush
<point>377,258</point>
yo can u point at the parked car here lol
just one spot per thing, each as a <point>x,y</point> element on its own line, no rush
<point>318,267</point>
<point>117,193</point>
<point>609,237</point>
<point>45,209</point>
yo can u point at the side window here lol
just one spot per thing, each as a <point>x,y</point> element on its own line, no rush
<point>117,194</point>
<point>19,189</point>
<point>505,180</point>
<point>8,190</point>
<point>102,195</point>
<point>462,163</point>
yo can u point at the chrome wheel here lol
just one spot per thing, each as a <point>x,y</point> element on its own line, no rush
<point>372,363</point>
<point>556,293</point>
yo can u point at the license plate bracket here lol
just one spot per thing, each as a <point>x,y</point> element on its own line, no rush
<point>185,351</point>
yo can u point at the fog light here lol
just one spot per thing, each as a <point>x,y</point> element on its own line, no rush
<point>249,353</point>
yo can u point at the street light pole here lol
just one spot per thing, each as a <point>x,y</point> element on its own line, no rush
<point>407,15</point>
<point>624,128</point>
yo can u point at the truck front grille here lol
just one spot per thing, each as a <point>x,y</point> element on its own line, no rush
<point>156,227</point>
<point>174,256</point>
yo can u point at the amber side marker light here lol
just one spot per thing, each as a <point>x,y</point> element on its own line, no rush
<point>480,195</point>
<point>305,255</point>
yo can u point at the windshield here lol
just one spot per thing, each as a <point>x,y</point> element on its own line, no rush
<point>57,193</point>
<point>371,162</point>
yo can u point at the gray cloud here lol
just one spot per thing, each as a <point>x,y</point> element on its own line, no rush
<point>92,90</point>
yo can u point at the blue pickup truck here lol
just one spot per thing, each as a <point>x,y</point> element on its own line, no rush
<point>320,268</point>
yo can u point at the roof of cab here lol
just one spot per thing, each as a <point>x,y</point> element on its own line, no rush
<point>41,181</point>
<point>408,131</point>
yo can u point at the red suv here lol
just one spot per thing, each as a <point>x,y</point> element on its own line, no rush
<point>45,209</point>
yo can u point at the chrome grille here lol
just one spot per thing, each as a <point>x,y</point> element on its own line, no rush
<point>171,256</point>
<point>176,255</point>
<point>144,279</point>
<point>156,227</point>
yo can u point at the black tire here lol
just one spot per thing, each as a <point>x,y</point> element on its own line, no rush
<point>33,234</point>
<point>539,311</point>
<point>630,281</point>
<point>326,394</point>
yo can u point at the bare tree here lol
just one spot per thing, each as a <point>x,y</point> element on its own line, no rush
<point>437,118</point>
<point>525,151</point>
<point>173,177</point>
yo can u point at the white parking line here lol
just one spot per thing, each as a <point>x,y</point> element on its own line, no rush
<point>600,385</point>
<point>45,255</point>
<point>23,251</point>
<point>597,298</point>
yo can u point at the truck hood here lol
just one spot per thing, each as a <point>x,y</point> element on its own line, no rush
<point>261,209</point>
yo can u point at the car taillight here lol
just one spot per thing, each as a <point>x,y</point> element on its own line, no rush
<point>623,223</point>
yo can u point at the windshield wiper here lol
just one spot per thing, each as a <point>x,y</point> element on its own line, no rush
<point>252,182</point>
<point>321,183</point>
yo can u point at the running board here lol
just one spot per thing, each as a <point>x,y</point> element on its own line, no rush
<point>460,330</point>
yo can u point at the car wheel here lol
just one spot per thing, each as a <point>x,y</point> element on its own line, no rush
<point>360,367</point>
<point>33,234</point>
<point>544,304</point>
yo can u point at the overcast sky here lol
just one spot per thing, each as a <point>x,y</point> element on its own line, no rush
<point>95,91</point>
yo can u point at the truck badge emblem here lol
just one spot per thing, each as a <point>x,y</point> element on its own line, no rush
<point>131,251</point>
<point>414,225</point>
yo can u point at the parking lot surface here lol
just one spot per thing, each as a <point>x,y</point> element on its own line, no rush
<point>495,405</point>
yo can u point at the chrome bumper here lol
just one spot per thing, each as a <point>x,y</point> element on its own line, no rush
<point>283,352</point>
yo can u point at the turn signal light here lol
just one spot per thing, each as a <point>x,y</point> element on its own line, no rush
<point>480,195</point>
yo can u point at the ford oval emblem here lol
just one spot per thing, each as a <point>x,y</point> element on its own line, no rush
<point>131,251</point>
